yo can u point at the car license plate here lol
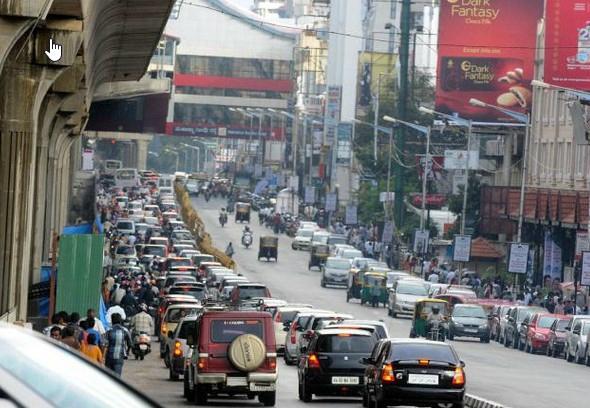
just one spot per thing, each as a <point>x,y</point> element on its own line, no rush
<point>262,387</point>
<point>423,379</point>
<point>143,347</point>
<point>470,330</point>
<point>345,380</point>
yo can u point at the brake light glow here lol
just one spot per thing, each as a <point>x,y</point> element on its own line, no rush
<point>423,362</point>
<point>177,349</point>
<point>313,361</point>
<point>202,363</point>
<point>294,333</point>
<point>387,373</point>
<point>271,363</point>
<point>459,377</point>
<point>164,329</point>
<point>344,335</point>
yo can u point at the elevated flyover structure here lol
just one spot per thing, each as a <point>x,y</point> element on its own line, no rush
<point>44,108</point>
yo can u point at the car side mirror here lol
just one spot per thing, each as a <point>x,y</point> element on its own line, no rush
<point>190,340</point>
<point>303,349</point>
<point>568,328</point>
<point>170,334</point>
<point>462,363</point>
<point>576,332</point>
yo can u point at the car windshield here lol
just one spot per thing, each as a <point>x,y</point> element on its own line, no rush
<point>305,233</point>
<point>561,325</point>
<point>250,292</point>
<point>351,254</point>
<point>124,225</point>
<point>182,235</point>
<point>225,331</point>
<point>288,316</point>
<point>336,240</point>
<point>172,281</point>
<point>175,315</point>
<point>345,343</point>
<point>411,289</point>
<point>415,351</point>
<point>338,264</point>
<point>546,322</point>
<point>476,312</point>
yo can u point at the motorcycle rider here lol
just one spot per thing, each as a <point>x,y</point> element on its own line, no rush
<point>434,318</point>
<point>245,233</point>
<point>142,322</point>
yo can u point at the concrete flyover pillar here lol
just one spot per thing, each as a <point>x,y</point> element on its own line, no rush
<point>142,153</point>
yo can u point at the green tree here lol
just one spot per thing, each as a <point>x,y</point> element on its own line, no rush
<point>472,209</point>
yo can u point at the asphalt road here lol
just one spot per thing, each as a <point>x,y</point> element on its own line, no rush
<point>507,376</point>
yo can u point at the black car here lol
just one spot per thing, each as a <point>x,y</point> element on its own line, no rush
<point>469,321</point>
<point>516,316</point>
<point>413,372</point>
<point>332,363</point>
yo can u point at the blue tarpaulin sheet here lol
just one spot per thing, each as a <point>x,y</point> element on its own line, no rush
<point>78,229</point>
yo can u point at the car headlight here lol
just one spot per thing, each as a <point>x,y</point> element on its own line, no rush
<point>483,326</point>
<point>457,324</point>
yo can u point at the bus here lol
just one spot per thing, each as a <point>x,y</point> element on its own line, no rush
<point>111,166</point>
<point>126,178</point>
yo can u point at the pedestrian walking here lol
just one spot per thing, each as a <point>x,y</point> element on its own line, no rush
<point>92,350</point>
<point>229,250</point>
<point>118,342</point>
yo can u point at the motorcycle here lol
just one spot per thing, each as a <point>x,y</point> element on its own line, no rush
<point>222,219</point>
<point>247,239</point>
<point>141,345</point>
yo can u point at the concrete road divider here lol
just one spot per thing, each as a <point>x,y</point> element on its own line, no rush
<point>472,401</point>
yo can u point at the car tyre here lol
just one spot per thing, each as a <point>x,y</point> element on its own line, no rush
<point>167,359</point>
<point>451,335</point>
<point>365,400</point>
<point>516,343</point>
<point>577,357</point>
<point>268,399</point>
<point>587,359</point>
<point>172,376</point>
<point>377,403</point>
<point>200,396</point>
<point>568,356</point>
<point>305,393</point>
<point>287,359</point>
<point>506,344</point>
<point>323,283</point>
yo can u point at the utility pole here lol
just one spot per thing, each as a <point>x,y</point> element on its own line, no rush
<point>404,53</point>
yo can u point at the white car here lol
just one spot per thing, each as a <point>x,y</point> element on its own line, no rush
<point>176,348</point>
<point>309,225</point>
<point>125,251</point>
<point>575,343</point>
<point>125,226</point>
<point>283,317</point>
<point>295,329</point>
<point>403,296</point>
<point>350,254</point>
<point>335,272</point>
<point>302,239</point>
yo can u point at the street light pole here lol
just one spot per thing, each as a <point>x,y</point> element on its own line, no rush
<point>466,188</point>
<point>424,179</point>
<point>376,120</point>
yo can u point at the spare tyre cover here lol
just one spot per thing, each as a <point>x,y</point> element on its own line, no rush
<point>247,352</point>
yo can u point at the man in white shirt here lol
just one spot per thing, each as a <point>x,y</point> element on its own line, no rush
<point>450,276</point>
<point>433,277</point>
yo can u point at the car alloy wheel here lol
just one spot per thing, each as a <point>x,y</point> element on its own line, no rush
<point>307,396</point>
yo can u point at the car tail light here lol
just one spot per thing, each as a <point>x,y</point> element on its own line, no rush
<point>164,329</point>
<point>278,317</point>
<point>203,361</point>
<point>459,377</point>
<point>313,361</point>
<point>387,375</point>
<point>271,361</point>
<point>177,349</point>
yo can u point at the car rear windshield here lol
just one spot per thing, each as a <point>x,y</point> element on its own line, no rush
<point>546,322</point>
<point>125,250</point>
<point>288,316</point>
<point>413,352</point>
<point>249,292</point>
<point>172,281</point>
<point>154,250</point>
<point>320,238</point>
<point>336,240</point>
<point>345,343</point>
<point>225,331</point>
<point>562,324</point>
<point>196,292</point>
<point>186,329</point>
<point>469,312</point>
<point>175,315</point>
<point>124,225</point>
<point>338,264</point>
<point>180,262</point>
<point>411,289</point>
<point>305,233</point>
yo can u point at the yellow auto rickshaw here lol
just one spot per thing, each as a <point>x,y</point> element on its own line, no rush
<point>374,289</point>
<point>268,248</point>
<point>422,310</point>
<point>243,212</point>
<point>354,284</point>
<point>318,255</point>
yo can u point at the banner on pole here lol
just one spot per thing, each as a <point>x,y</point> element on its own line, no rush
<point>310,194</point>
<point>462,248</point>
<point>421,240</point>
<point>387,237</point>
<point>351,215</point>
<point>585,278</point>
<point>331,201</point>
<point>519,257</point>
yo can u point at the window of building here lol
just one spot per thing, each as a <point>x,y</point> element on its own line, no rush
<point>234,67</point>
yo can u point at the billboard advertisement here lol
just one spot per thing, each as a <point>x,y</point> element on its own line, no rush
<point>486,51</point>
<point>567,44</point>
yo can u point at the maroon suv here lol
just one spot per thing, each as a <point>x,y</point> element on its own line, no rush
<point>234,353</point>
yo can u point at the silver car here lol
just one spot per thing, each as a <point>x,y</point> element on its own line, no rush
<point>176,347</point>
<point>403,296</point>
<point>335,272</point>
<point>302,240</point>
<point>576,343</point>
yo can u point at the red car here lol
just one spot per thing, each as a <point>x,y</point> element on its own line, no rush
<point>557,335</point>
<point>537,331</point>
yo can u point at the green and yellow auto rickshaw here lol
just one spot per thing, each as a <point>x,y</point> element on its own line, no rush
<point>318,255</point>
<point>354,285</point>
<point>422,310</point>
<point>243,212</point>
<point>374,289</point>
